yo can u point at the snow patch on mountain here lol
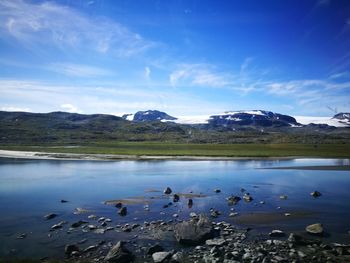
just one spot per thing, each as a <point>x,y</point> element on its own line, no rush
<point>305,120</point>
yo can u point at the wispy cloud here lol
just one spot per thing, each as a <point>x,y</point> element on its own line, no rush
<point>48,23</point>
<point>78,70</point>
<point>199,75</point>
<point>14,108</point>
<point>147,72</point>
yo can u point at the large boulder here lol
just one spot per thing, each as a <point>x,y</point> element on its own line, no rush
<point>160,257</point>
<point>119,254</point>
<point>194,232</point>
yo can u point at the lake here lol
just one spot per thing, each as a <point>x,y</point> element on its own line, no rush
<point>30,189</point>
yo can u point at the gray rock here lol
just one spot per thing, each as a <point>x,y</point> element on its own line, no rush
<point>50,216</point>
<point>167,191</point>
<point>283,197</point>
<point>215,242</point>
<point>247,197</point>
<point>176,198</point>
<point>193,233</point>
<point>315,229</point>
<point>78,223</point>
<point>233,200</point>
<point>119,254</point>
<point>90,248</point>
<point>160,257</point>
<point>177,257</point>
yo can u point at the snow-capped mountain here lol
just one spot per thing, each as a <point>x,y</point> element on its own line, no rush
<point>150,115</point>
<point>338,120</point>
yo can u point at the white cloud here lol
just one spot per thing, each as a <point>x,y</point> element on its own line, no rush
<point>48,23</point>
<point>147,72</point>
<point>78,70</point>
<point>13,108</point>
<point>70,108</point>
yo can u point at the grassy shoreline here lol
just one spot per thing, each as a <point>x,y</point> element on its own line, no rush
<point>199,150</point>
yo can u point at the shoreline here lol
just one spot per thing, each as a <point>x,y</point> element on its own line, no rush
<point>114,157</point>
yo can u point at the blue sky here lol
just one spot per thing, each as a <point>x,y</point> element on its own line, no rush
<point>183,57</point>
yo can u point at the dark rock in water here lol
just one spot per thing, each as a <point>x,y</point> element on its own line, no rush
<point>215,213</point>
<point>283,197</point>
<point>71,248</point>
<point>160,257</point>
<point>119,254</point>
<point>90,248</point>
<point>155,248</point>
<point>190,203</point>
<point>315,194</point>
<point>118,205</point>
<point>194,232</point>
<point>176,198</point>
<point>123,211</point>
<point>167,191</point>
<point>247,197</point>
<point>64,201</point>
<point>217,190</point>
<point>277,233</point>
<point>232,200</point>
<point>165,206</point>
<point>58,225</point>
<point>79,223</point>
<point>315,229</point>
<point>22,236</point>
<point>50,216</point>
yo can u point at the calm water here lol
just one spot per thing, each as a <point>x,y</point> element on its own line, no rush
<point>29,189</point>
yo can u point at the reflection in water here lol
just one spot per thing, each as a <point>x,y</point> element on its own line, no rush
<point>30,189</point>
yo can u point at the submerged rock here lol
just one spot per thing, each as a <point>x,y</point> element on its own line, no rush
<point>176,198</point>
<point>192,232</point>
<point>167,191</point>
<point>160,257</point>
<point>78,223</point>
<point>247,197</point>
<point>233,200</point>
<point>283,197</point>
<point>64,201</point>
<point>119,254</point>
<point>217,190</point>
<point>315,229</point>
<point>118,205</point>
<point>190,203</point>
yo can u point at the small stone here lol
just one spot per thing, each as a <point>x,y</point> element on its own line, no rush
<point>168,191</point>
<point>22,236</point>
<point>217,190</point>
<point>315,229</point>
<point>118,205</point>
<point>78,223</point>
<point>64,201</point>
<point>189,203</point>
<point>50,216</point>
<point>215,242</point>
<point>123,211</point>
<point>247,197</point>
<point>233,214</point>
<point>233,200</point>
<point>193,215</point>
<point>92,217</point>
<point>175,215</point>
<point>160,257</point>
<point>287,214</point>
<point>315,194</point>
<point>59,225</point>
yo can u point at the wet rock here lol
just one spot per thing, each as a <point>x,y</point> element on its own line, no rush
<point>155,248</point>
<point>59,225</point>
<point>315,229</point>
<point>277,233</point>
<point>119,254</point>
<point>247,197</point>
<point>78,223</point>
<point>178,257</point>
<point>123,211</point>
<point>92,217</point>
<point>315,194</point>
<point>283,197</point>
<point>71,248</point>
<point>146,207</point>
<point>90,248</point>
<point>64,201</point>
<point>193,233</point>
<point>233,214</point>
<point>287,214</point>
<point>160,257</point>
<point>118,205</point>
<point>50,216</point>
<point>233,200</point>
<point>215,213</point>
<point>193,215</point>
<point>167,191</point>
<point>176,198</point>
<point>91,227</point>
<point>217,190</point>
<point>190,202</point>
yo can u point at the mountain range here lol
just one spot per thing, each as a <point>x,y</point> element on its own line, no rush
<point>256,126</point>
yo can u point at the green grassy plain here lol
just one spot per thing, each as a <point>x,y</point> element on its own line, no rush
<point>180,149</point>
